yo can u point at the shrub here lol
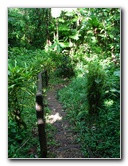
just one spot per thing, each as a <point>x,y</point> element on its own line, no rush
<point>65,69</point>
<point>95,86</point>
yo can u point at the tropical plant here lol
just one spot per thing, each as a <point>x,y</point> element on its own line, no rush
<point>83,45</point>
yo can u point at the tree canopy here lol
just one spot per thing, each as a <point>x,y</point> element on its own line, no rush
<point>78,44</point>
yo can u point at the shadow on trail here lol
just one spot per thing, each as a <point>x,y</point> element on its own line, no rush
<point>66,145</point>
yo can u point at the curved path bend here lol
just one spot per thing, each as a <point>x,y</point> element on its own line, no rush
<point>66,145</point>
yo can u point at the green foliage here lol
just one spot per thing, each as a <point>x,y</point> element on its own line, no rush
<point>65,69</point>
<point>74,98</point>
<point>28,27</point>
<point>23,67</point>
<point>100,133</point>
<point>95,86</point>
<point>84,43</point>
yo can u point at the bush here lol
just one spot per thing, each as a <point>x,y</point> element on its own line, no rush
<point>95,86</point>
<point>65,69</point>
<point>98,134</point>
<point>23,67</point>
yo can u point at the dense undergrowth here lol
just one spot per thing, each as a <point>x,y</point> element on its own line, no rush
<point>99,134</point>
<point>23,67</point>
<point>22,74</point>
<point>83,47</point>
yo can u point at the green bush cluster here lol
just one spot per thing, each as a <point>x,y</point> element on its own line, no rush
<point>65,69</point>
<point>23,67</point>
<point>95,86</point>
<point>92,105</point>
<point>84,43</point>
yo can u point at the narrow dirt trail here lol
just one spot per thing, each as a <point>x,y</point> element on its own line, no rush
<point>66,146</point>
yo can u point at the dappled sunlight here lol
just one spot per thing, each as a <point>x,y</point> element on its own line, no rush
<point>53,118</point>
<point>64,80</point>
<point>109,103</point>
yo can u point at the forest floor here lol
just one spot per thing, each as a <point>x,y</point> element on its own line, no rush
<point>65,139</point>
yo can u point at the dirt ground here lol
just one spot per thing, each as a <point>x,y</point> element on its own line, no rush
<point>66,145</point>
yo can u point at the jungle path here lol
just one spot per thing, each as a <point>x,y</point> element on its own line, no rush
<point>66,145</point>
